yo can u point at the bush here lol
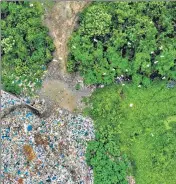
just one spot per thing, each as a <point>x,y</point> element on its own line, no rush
<point>26,46</point>
<point>103,154</point>
<point>136,40</point>
<point>96,21</point>
<point>78,86</point>
<point>139,122</point>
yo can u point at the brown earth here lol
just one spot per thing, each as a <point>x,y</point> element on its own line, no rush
<point>59,86</point>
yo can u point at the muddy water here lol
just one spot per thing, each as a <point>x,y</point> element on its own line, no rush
<point>60,93</point>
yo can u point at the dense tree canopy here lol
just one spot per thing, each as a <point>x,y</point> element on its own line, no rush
<point>26,46</point>
<point>135,40</point>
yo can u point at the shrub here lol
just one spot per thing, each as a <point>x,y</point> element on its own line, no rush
<point>104,156</point>
<point>78,87</point>
<point>139,122</point>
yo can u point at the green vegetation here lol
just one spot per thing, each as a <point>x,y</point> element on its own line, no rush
<point>135,122</point>
<point>139,118</point>
<point>78,86</point>
<point>26,46</point>
<point>103,154</point>
<point>136,40</point>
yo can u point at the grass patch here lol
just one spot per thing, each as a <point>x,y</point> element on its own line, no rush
<point>144,122</point>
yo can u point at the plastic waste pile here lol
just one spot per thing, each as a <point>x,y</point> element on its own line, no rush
<point>52,150</point>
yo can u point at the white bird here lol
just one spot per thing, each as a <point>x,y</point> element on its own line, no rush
<point>95,40</point>
<point>131,105</point>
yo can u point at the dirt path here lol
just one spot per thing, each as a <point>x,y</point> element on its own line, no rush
<point>61,20</point>
<point>58,85</point>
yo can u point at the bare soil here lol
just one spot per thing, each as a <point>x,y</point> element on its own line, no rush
<point>59,85</point>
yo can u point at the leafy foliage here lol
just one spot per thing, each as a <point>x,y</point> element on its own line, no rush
<point>105,158</point>
<point>96,21</point>
<point>143,121</point>
<point>26,46</point>
<point>136,40</point>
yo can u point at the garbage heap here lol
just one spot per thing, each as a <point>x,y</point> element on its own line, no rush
<point>51,150</point>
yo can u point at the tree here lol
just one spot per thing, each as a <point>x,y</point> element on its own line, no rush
<point>26,46</point>
<point>136,40</point>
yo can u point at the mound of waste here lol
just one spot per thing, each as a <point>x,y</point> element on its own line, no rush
<point>44,150</point>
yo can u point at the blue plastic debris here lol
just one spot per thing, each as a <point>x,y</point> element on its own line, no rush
<point>43,122</point>
<point>27,101</point>
<point>7,130</point>
<point>54,178</point>
<point>19,172</point>
<point>29,114</point>
<point>62,155</point>
<point>51,145</point>
<point>5,170</point>
<point>4,136</point>
<point>29,128</point>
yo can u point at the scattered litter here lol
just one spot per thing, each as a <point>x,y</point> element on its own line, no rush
<point>52,150</point>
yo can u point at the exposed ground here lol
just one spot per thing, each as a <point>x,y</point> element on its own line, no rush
<point>58,85</point>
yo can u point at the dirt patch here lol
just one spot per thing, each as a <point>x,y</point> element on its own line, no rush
<point>131,180</point>
<point>58,85</point>
<point>61,20</point>
<point>60,93</point>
